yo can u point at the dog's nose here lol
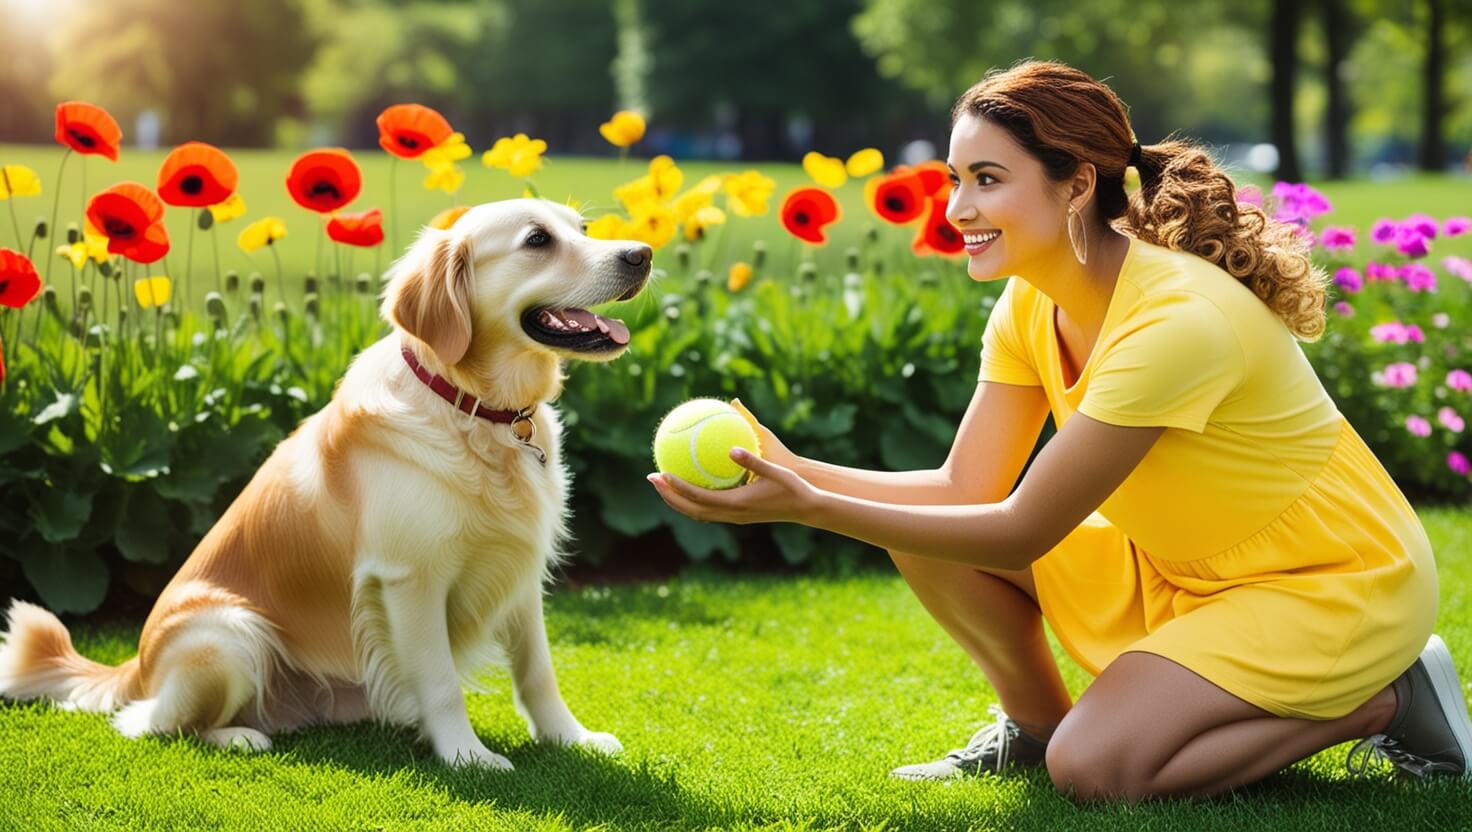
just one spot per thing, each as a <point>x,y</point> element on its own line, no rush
<point>638,256</point>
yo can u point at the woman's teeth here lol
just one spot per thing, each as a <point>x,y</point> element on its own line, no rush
<point>980,238</point>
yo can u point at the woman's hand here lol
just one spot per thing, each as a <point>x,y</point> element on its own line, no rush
<point>778,495</point>
<point>772,448</point>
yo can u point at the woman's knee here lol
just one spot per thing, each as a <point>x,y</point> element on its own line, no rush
<point>1089,764</point>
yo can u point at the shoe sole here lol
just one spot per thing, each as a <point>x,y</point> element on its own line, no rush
<point>1448,688</point>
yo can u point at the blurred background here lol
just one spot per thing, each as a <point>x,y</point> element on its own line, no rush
<point>1322,89</point>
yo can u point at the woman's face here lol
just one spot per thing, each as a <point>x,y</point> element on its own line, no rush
<point>1011,214</point>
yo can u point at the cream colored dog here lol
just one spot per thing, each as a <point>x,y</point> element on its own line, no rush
<point>399,539</point>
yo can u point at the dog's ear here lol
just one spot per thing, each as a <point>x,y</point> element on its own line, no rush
<point>431,298</point>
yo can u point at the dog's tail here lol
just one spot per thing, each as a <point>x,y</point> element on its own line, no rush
<point>38,661</point>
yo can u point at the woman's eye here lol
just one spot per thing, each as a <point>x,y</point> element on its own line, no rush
<point>985,179</point>
<point>538,239</point>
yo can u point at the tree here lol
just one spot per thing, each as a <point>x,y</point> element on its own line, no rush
<point>1283,49</point>
<point>1337,33</point>
<point>1433,73</point>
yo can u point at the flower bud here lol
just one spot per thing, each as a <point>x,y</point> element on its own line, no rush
<point>255,307</point>
<point>41,228</point>
<point>851,257</point>
<point>758,255</point>
<point>703,278</point>
<point>215,305</point>
<point>682,256</point>
<point>257,283</point>
<point>232,280</point>
<point>206,219</point>
<point>48,301</point>
<point>365,284</point>
<point>871,233</point>
<point>282,313</point>
<point>311,284</point>
<point>73,234</point>
<point>105,268</point>
<point>312,305</point>
<point>808,272</point>
<point>84,298</point>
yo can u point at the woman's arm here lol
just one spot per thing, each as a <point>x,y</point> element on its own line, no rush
<point>996,436</point>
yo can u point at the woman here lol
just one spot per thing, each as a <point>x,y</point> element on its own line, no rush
<point>1205,532</point>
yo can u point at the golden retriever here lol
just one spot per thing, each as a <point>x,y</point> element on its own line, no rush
<point>398,541</point>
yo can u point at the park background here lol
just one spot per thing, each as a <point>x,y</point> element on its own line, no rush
<point>122,437</point>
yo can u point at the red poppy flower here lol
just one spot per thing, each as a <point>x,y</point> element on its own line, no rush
<point>935,178</point>
<point>899,198</point>
<point>407,130</point>
<point>197,175</point>
<point>806,211</point>
<point>87,128</point>
<point>131,217</point>
<point>19,283</point>
<point>324,180</point>
<point>937,235</point>
<point>364,229</point>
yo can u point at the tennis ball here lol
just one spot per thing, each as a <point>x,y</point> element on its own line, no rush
<point>695,439</point>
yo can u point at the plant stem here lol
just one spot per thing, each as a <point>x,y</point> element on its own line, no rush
<point>55,209</point>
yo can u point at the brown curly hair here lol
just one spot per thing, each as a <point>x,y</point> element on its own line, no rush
<point>1063,117</point>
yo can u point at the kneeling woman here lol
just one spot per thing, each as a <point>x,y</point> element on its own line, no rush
<point>1205,533</point>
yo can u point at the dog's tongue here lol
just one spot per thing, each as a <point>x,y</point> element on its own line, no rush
<point>611,327</point>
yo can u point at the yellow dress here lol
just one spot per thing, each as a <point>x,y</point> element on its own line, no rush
<point>1259,543</point>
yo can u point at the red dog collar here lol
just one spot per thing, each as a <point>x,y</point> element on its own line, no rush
<point>457,397</point>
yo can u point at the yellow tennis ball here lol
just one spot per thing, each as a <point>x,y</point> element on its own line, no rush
<point>695,439</point>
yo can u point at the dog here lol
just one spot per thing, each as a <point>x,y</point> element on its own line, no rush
<point>398,541</point>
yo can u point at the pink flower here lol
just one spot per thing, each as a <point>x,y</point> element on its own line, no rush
<point>1337,238</point>
<point>1397,375</point>
<point>1459,266</point>
<point>1383,231</point>
<point>1441,320</point>
<point>1298,202</point>
<point>1250,195</point>
<point>1459,380</point>
<point>1343,310</point>
<point>1411,242</point>
<point>1418,278</point>
<point>1458,463</point>
<point>1422,223</point>
<point>1418,426</point>
<point>1349,280</point>
<point>1380,271</point>
<point>1397,333</point>
<point>1456,226</point>
<point>1450,420</point>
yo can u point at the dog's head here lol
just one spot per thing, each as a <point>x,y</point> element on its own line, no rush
<point>523,273</point>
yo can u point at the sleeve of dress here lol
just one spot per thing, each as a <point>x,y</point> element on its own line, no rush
<point>1005,357</point>
<point>1169,364</point>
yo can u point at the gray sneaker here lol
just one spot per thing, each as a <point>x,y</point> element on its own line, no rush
<point>1431,732</point>
<point>993,749</point>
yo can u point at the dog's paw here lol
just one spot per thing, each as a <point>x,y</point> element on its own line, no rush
<point>600,741</point>
<point>237,738</point>
<point>475,755</point>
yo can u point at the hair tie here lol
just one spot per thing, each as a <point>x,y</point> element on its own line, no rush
<point>1134,156</point>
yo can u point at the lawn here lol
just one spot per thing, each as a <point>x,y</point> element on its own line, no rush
<point>772,702</point>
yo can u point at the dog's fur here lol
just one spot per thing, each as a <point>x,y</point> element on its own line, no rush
<point>392,546</point>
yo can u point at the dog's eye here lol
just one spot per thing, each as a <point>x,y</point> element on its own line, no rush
<point>537,239</point>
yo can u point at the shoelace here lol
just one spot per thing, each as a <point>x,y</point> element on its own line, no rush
<point>996,737</point>
<point>1378,749</point>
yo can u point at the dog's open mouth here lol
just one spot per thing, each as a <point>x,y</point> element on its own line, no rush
<point>574,329</point>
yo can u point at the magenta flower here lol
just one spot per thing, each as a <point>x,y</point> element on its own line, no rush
<point>1458,463</point>
<point>1297,202</point>
<point>1422,223</point>
<point>1383,231</point>
<point>1459,380</point>
<point>1459,266</point>
<point>1348,280</point>
<point>1343,310</point>
<point>1380,271</point>
<point>1397,375</point>
<point>1250,195</point>
<point>1337,238</point>
<point>1411,242</point>
<point>1397,333</point>
<point>1418,426</point>
<point>1418,278</point>
<point>1450,420</point>
<point>1457,226</point>
<point>1441,320</point>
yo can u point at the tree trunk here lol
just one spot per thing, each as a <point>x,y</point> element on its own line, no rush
<point>1433,145</point>
<point>1283,51</point>
<point>1337,31</point>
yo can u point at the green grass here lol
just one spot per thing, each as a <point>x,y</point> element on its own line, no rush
<point>263,176</point>
<point>743,702</point>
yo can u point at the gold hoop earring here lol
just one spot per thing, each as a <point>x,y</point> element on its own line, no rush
<point>1080,251</point>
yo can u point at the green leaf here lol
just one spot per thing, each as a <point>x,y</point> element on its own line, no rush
<point>15,430</point>
<point>629,508</point>
<point>903,448</point>
<point>69,580</point>
<point>795,540</point>
<point>143,527</point>
<point>59,515</point>
<point>699,540</point>
<point>139,451</point>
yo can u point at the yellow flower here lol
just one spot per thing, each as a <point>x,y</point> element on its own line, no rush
<point>865,162</point>
<point>655,226</point>
<point>261,233</point>
<point>688,203</point>
<point>748,193</point>
<point>76,252</point>
<point>624,129</point>
<point>447,152</point>
<point>609,227</point>
<point>637,195</point>
<point>825,170</point>
<point>18,180</point>
<point>230,209</point>
<point>666,176</point>
<point>447,177</point>
<point>152,291</point>
<point>92,245</point>
<point>702,220</point>
<point>446,218</point>
<point>519,155</point>
<point>738,276</point>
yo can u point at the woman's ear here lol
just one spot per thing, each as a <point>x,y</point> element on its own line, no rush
<point>430,296</point>
<point>1081,187</point>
